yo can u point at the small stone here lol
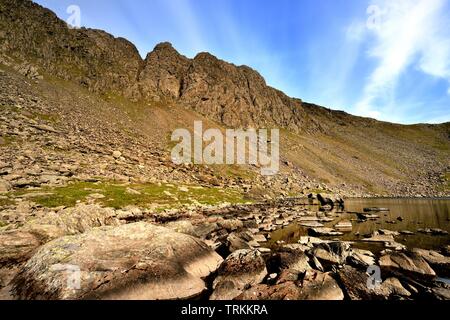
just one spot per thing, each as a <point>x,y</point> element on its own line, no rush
<point>4,186</point>
<point>117,154</point>
<point>132,192</point>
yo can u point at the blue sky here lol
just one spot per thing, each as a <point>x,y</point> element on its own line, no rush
<point>387,59</point>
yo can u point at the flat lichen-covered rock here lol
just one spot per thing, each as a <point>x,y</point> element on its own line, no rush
<point>134,261</point>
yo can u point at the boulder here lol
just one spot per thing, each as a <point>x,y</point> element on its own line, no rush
<point>283,291</point>
<point>367,216</point>
<point>134,261</point>
<point>446,251</point>
<point>330,200</point>
<point>361,258</point>
<point>289,258</point>
<point>388,232</point>
<point>387,239</point>
<point>182,226</point>
<point>240,270</point>
<point>439,263</point>
<point>238,241</point>
<point>75,220</point>
<point>331,253</point>
<point>318,285</point>
<point>357,288</point>
<point>231,224</point>
<point>310,241</point>
<point>407,263</point>
<point>5,186</point>
<point>434,232</point>
<point>17,246</point>
<point>116,154</point>
<point>52,225</point>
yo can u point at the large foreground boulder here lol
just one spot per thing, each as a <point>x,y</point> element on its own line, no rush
<point>134,261</point>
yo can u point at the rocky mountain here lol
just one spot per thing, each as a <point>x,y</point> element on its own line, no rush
<point>147,98</point>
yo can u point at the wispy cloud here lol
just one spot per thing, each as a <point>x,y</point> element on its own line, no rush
<point>408,34</point>
<point>188,24</point>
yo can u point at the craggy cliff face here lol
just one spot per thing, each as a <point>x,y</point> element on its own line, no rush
<point>234,96</point>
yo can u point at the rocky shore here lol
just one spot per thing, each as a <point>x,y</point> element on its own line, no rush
<point>211,252</point>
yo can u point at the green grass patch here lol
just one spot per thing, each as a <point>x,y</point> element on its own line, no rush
<point>149,195</point>
<point>318,190</point>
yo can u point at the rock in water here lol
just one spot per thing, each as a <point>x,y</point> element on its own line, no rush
<point>330,200</point>
<point>134,261</point>
<point>344,226</point>
<point>240,270</point>
<point>376,209</point>
<point>326,232</point>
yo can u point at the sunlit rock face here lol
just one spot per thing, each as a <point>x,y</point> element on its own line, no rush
<point>134,261</point>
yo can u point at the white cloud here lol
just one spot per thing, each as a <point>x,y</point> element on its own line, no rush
<point>188,24</point>
<point>356,31</point>
<point>409,33</point>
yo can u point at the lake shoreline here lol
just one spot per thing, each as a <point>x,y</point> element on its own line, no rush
<point>232,241</point>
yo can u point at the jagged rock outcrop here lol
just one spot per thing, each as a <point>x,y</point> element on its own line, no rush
<point>92,58</point>
<point>163,72</point>
<point>234,96</point>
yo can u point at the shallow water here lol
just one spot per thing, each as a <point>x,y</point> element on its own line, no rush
<point>416,214</point>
